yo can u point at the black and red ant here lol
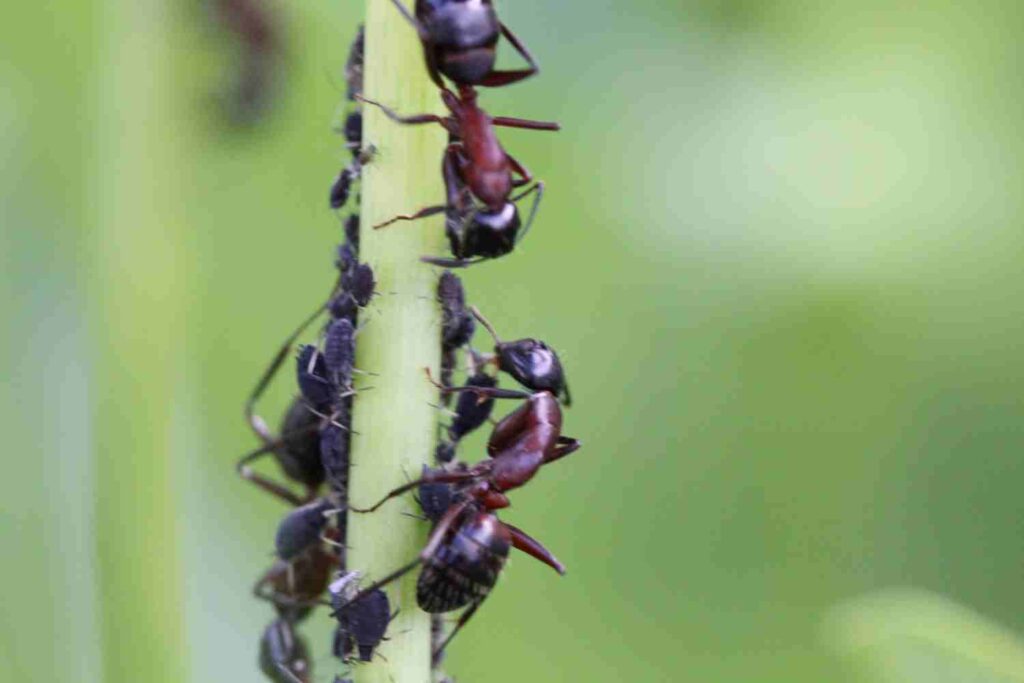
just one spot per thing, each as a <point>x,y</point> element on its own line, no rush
<point>469,544</point>
<point>476,168</point>
<point>459,40</point>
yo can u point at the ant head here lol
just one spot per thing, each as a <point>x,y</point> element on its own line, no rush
<point>492,233</point>
<point>533,364</point>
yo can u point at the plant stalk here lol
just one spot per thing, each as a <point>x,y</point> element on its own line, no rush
<point>394,424</point>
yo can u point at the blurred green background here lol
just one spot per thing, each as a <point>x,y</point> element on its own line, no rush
<point>781,257</point>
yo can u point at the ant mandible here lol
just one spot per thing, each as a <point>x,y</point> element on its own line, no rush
<point>476,166</point>
<point>459,40</point>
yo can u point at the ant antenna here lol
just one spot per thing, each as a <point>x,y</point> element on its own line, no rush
<point>539,189</point>
<point>485,322</point>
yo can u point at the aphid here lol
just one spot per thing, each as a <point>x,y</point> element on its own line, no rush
<point>312,372</point>
<point>358,286</point>
<point>459,40</point>
<point>472,410</point>
<point>284,655</point>
<point>335,440</point>
<point>354,64</point>
<point>457,323</point>
<point>476,169</point>
<point>457,328</point>
<point>302,528</point>
<point>530,362</point>
<point>434,497</point>
<point>342,186</point>
<point>361,625</point>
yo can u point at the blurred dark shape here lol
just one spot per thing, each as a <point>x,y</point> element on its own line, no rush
<point>257,34</point>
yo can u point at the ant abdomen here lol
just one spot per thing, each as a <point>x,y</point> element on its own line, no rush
<point>299,456</point>
<point>465,566</point>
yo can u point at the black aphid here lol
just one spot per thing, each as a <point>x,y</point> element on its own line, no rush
<point>301,528</point>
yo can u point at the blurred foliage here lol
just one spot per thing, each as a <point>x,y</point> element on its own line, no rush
<point>780,256</point>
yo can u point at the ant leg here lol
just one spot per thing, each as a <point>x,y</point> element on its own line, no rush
<point>276,598</point>
<point>268,485</point>
<point>284,671</point>
<point>566,445</point>
<point>424,35</point>
<point>435,657</point>
<point>414,120</point>
<point>425,212</point>
<point>255,421</point>
<point>433,478</point>
<point>539,189</point>
<point>497,79</point>
<point>524,175</point>
<point>436,536</point>
<point>511,122</point>
<point>451,262</point>
<point>488,392</point>
<point>532,547</point>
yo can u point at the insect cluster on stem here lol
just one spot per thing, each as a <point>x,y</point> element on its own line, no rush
<point>468,545</point>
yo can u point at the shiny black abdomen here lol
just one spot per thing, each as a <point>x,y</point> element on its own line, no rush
<point>465,566</point>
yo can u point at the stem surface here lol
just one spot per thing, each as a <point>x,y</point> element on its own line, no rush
<point>394,423</point>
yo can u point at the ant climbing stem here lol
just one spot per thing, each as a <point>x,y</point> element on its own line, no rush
<point>460,40</point>
<point>481,216</point>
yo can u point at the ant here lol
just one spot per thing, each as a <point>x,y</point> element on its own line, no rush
<point>459,40</point>
<point>314,441</point>
<point>475,168</point>
<point>469,544</point>
<point>284,655</point>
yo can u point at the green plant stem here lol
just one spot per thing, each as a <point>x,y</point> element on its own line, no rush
<point>394,423</point>
<point>138,284</point>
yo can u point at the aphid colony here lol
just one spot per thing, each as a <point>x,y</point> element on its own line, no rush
<point>469,544</point>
